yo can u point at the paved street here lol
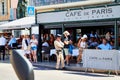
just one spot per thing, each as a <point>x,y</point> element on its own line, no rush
<point>43,73</point>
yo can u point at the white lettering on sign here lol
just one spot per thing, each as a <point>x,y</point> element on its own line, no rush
<point>80,15</point>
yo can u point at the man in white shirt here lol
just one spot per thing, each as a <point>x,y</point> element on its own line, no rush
<point>2,45</point>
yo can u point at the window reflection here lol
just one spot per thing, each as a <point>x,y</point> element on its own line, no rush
<point>50,2</point>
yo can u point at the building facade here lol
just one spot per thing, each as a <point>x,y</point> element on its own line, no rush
<point>4,10</point>
<point>80,17</point>
<point>76,12</point>
<point>50,2</point>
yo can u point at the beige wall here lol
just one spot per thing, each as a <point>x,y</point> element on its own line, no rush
<point>6,16</point>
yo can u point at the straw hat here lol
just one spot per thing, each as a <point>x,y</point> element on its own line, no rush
<point>66,32</point>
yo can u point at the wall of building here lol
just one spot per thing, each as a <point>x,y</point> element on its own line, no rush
<point>6,15</point>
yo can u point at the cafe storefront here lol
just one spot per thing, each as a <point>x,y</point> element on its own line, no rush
<point>83,19</point>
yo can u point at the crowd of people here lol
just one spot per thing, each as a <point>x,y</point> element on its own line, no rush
<point>91,41</point>
<point>29,46</point>
<point>62,43</point>
<point>6,44</point>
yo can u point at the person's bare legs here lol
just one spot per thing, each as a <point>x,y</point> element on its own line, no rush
<point>35,55</point>
<point>30,57</point>
<point>67,59</point>
<point>79,58</point>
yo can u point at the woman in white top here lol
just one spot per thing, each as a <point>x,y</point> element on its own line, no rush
<point>34,43</point>
<point>25,45</point>
<point>81,45</point>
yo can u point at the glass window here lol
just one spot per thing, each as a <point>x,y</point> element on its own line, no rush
<point>3,8</point>
<point>51,2</point>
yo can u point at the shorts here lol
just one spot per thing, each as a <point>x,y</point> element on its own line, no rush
<point>67,52</point>
<point>80,50</point>
<point>34,48</point>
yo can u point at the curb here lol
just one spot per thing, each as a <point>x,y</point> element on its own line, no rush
<point>74,68</point>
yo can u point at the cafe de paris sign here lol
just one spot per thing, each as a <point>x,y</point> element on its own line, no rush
<point>109,12</point>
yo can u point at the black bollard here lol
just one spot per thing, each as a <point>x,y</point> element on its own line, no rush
<point>22,66</point>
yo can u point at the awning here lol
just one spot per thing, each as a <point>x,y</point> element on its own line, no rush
<point>25,22</point>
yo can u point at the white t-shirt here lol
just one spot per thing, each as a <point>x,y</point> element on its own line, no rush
<point>2,41</point>
<point>83,44</point>
<point>24,45</point>
<point>33,42</point>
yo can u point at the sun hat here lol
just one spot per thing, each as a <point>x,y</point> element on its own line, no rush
<point>66,32</point>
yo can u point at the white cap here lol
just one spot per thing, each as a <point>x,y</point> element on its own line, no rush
<point>84,36</point>
<point>58,35</point>
<point>66,32</point>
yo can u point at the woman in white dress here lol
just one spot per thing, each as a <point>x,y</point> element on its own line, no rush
<point>26,45</point>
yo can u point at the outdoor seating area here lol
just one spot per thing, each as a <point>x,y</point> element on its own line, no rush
<point>75,52</point>
<point>50,55</point>
<point>45,53</point>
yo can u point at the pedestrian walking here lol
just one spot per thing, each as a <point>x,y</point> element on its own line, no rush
<point>67,47</point>
<point>82,44</point>
<point>2,46</point>
<point>26,46</point>
<point>33,44</point>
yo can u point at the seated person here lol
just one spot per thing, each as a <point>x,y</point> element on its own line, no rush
<point>45,48</point>
<point>93,44</point>
<point>104,45</point>
<point>45,44</point>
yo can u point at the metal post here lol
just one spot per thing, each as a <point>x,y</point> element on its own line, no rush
<point>30,30</point>
<point>63,28</point>
<point>116,35</point>
<point>39,56</point>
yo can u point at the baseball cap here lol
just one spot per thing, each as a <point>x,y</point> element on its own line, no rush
<point>58,35</point>
<point>84,36</point>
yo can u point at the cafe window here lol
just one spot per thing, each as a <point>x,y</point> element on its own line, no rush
<point>3,8</point>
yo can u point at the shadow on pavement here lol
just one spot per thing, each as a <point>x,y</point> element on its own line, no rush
<point>42,68</point>
<point>5,61</point>
<point>89,74</point>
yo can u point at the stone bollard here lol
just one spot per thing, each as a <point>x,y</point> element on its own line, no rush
<point>22,66</point>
